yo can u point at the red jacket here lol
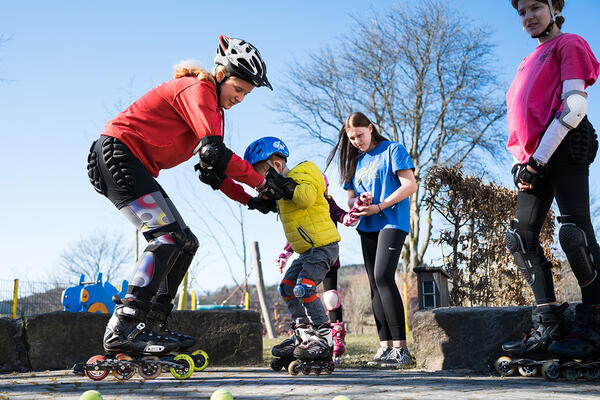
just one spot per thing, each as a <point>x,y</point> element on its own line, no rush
<point>164,126</point>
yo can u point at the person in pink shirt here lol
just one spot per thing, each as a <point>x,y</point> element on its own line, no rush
<point>553,144</point>
<point>165,127</point>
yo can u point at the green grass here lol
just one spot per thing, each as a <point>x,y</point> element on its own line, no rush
<point>360,349</point>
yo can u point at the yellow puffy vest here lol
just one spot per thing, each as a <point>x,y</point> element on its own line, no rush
<point>306,218</point>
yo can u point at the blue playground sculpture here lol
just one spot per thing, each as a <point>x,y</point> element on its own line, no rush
<point>93,297</point>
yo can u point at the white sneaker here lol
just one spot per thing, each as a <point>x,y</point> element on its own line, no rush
<point>398,357</point>
<point>381,354</point>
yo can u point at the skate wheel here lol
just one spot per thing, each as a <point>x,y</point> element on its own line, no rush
<point>551,370</point>
<point>305,370</point>
<point>591,374</point>
<point>96,374</point>
<point>200,358</point>
<point>276,365</point>
<point>504,366</point>
<point>571,374</point>
<point>294,368</point>
<point>150,368</point>
<point>329,368</point>
<point>317,370</point>
<point>186,369</point>
<point>124,371</point>
<point>528,370</point>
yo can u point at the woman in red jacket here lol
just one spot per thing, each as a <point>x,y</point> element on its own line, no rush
<point>162,129</point>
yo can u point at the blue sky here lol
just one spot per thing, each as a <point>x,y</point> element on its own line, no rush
<point>71,66</point>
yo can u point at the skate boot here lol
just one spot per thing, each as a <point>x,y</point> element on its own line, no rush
<point>284,352</point>
<point>314,352</point>
<point>579,351</point>
<point>126,331</point>
<point>338,331</point>
<point>529,354</point>
<point>157,320</point>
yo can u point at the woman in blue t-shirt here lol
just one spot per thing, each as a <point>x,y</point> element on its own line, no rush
<point>380,171</point>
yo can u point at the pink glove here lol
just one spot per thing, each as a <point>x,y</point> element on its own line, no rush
<point>282,259</point>
<point>350,219</point>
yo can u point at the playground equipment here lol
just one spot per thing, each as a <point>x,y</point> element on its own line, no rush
<point>93,297</point>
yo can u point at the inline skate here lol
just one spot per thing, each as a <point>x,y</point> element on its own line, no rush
<point>315,351</point>
<point>157,321</point>
<point>338,331</point>
<point>529,354</point>
<point>578,354</point>
<point>131,346</point>
<point>284,354</point>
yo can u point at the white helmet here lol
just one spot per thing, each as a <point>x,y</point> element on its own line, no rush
<point>243,60</point>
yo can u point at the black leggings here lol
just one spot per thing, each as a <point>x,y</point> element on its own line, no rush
<point>381,252</point>
<point>567,182</point>
<point>330,282</point>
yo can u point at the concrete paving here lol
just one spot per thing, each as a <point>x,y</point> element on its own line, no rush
<point>262,383</point>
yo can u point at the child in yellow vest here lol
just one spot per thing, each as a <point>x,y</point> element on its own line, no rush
<point>304,213</point>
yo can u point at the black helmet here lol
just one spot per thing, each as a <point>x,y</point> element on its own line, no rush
<point>243,60</point>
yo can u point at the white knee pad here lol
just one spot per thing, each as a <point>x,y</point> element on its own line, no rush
<point>331,300</point>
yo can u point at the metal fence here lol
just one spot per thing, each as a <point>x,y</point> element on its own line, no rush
<point>25,298</point>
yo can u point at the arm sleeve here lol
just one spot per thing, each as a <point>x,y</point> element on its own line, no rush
<point>241,171</point>
<point>307,176</point>
<point>234,191</point>
<point>335,212</point>
<point>578,62</point>
<point>556,132</point>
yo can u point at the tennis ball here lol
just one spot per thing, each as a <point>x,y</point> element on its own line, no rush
<point>221,394</point>
<point>341,398</point>
<point>91,395</point>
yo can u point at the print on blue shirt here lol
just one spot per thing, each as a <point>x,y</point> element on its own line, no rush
<point>376,173</point>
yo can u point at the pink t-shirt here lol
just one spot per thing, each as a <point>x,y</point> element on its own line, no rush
<point>535,94</point>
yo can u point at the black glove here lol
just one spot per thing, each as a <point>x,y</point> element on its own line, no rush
<point>522,174</point>
<point>209,176</point>
<point>263,205</point>
<point>277,186</point>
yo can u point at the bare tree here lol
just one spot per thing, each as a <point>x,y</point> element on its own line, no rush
<point>98,252</point>
<point>424,75</point>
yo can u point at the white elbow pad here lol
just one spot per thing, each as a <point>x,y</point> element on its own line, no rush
<point>574,108</point>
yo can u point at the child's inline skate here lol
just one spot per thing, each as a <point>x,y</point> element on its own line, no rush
<point>529,354</point>
<point>157,320</point>
<point>131,346</point>
<point>578,354</point>
<point>315,351</point>
<point>338,333</point>
<point>284,354</point>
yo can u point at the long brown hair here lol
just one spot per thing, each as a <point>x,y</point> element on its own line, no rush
<point>349,153</point>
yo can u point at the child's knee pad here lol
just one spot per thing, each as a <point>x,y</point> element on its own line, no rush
<point>331,300</point>
<point>306,289</point>
<point>286,289</point>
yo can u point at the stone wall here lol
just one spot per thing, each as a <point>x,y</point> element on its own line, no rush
<point>467,338</point>
<point>60,339</point>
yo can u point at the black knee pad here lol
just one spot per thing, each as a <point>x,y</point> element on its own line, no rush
<point>117,158</point>
<point>93,170</point>
<point>533,266</point>
<point>187,241</point>
<point>574,243</point>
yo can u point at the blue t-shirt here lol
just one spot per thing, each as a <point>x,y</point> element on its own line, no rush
<point>376,173</point>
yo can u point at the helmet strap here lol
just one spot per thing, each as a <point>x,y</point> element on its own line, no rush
<point>218,84</point>
<point>550,26</point>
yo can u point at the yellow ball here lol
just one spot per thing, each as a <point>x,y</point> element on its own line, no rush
<point>91,395</point>
<point>221,394</point>
<point>341,398</point>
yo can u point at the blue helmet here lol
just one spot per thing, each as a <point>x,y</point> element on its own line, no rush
<point>263,148</point>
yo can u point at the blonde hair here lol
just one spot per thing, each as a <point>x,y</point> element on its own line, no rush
<point>192,68</point>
